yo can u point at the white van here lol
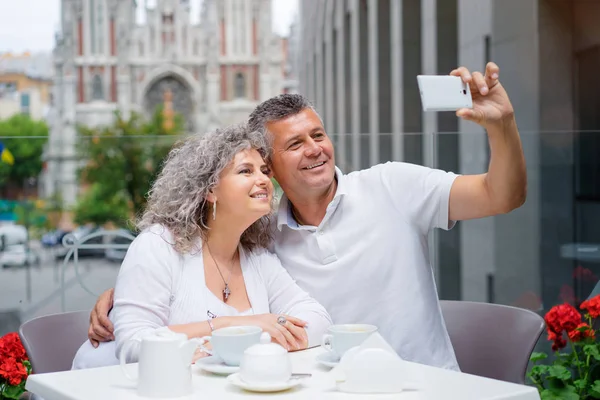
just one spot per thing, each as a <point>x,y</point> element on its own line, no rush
<point>11,234</point>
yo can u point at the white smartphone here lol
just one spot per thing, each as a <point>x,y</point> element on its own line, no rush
<point>444,93</point>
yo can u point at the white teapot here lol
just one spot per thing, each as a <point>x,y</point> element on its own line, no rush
<point>164,368</point>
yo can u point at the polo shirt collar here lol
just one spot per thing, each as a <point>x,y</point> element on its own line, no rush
<point>284,212</point>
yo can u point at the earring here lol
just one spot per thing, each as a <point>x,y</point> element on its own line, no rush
<point>215,210</point>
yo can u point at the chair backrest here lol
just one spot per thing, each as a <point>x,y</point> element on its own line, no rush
<point>492,340</point>
<point>51,341</point>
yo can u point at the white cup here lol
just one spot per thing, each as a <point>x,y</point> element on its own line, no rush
<point>266,363</point>
<point>341,338</point>
<point>230,343</point>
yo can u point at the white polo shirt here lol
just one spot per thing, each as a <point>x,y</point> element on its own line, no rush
<point>368,260</point>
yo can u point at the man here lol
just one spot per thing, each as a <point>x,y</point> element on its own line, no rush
<point>358,242</point>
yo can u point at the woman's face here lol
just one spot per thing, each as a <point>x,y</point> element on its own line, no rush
<point>244,190</point>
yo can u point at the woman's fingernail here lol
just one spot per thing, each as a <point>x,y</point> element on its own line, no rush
<point>494,76</point>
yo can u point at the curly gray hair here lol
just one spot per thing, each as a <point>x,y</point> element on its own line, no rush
<point>177,199</point>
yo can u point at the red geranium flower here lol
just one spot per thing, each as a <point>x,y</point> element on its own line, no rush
<point>592,306</point>
<point>558,341</point>
<point>581,332</point>
<point>14,365</point>
<point>11,346</point>
<point>561,318</point>
<point>13,371</point>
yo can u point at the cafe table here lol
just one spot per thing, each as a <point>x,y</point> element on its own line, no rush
<point>434,383</point>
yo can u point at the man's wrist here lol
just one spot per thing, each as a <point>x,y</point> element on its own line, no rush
<point>503,126</point>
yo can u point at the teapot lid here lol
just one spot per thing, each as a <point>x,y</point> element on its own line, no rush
<point>265,347</point>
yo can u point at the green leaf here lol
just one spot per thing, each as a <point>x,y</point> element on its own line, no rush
<point>559,372</point>
<point>13,392</point>
<point>580,384</point>
<point>565,393</point>
<point>595,390</point>
<point>592,350</point>
<point>540,369</point>
<point>536,356</point>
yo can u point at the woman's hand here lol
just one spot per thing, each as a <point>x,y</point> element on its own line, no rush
<point>291,335</point>
<point>199,353</point>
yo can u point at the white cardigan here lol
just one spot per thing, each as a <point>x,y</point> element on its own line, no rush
<point>157,287</point>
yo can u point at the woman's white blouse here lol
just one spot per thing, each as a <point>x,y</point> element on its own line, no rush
<point>158,287</point>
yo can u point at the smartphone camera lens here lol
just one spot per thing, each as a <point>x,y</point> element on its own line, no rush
<point>464,91</point>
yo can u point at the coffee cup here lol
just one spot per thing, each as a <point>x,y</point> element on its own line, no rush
<point>230,343</point>
<point>340,338</point>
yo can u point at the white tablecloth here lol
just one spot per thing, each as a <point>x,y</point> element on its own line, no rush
<point>110,383</point>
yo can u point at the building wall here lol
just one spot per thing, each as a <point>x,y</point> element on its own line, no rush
<point>478,236</point>
<point>24,82</point>
<point>366,89</point>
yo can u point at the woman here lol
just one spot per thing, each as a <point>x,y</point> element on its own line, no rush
<point>200,262</point>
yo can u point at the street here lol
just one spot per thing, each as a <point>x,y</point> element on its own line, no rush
<point>28,292</point>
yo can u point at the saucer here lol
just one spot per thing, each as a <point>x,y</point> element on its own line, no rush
<point>236,380</point>
<point>328,359</point>
<point>216,366</point>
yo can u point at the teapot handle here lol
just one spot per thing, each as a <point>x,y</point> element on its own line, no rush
<point>126,347</point>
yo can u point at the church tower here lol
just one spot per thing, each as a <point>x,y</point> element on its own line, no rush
<point>249,54</point>
<point>214,69</point>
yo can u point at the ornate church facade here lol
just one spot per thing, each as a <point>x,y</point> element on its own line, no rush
<point>215,71</point>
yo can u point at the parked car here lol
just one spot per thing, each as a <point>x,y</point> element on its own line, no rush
<point>53,238</point>
<point>18,255</point>
<point>11,234</point>
<point>79,233</point>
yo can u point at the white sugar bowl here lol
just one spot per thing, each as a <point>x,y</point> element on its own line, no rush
<point>265,363</point>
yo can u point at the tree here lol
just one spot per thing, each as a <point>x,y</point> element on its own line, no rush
<point>121,162</point>
<point>25,139</point>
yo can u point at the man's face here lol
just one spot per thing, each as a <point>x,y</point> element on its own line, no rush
<point>303,159</point>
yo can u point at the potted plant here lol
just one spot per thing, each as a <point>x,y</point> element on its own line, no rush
<point>573,373</point>
<point>14,367</point>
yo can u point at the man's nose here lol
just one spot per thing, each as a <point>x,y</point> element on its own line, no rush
<point>312,149</point>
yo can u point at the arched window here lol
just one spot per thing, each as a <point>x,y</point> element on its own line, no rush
<point>240,86</point>
<point>97,89</point>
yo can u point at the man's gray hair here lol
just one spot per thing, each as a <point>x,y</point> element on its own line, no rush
<point>177,199</point>
<point>277,108</point>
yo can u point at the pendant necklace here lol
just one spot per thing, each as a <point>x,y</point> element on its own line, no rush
<point>226,291</point>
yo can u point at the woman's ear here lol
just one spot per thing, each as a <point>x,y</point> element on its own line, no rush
<point>210,197</point>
